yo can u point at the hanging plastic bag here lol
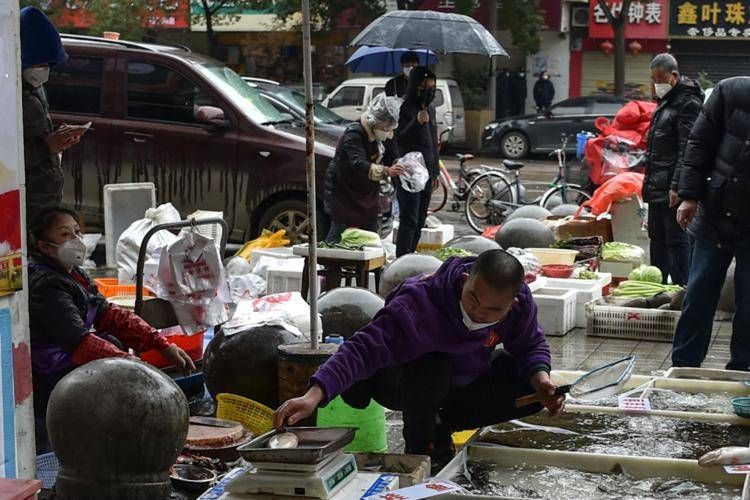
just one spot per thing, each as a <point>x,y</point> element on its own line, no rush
<point>129,243</point>
<point>416,176</point>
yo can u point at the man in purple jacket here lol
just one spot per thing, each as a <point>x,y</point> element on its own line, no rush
<point>432,352</point>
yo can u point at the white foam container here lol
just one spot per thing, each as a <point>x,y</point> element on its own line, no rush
<point>585,291</point>
<point>556,310</point>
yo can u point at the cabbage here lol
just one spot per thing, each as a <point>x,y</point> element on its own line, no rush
<point>650,274</point>
<point>359,237</point>
<point>616,251</point>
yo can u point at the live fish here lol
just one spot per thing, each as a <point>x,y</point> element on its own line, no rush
<point>729,455</point>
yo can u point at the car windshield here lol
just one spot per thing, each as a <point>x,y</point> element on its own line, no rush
<point>321,113</point>
<point>247,98</point>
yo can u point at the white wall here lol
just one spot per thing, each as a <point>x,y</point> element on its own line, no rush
<point>556,49</point>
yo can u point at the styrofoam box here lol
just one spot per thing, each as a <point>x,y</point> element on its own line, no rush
<point>617,269</point>
<point>437,236</point>
<point>285,280</point>
<point>585,291</point>
<point>556,310</point>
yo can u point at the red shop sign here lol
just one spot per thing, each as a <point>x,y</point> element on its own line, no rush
<point>646,20</point>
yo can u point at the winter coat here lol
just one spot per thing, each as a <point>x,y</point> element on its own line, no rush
<point>544,93</point>
<point>412,135</point>
<point>667,137</point>
<point>396,86</point>
<point>422,316</point>
<point>44,176</point>
<point>351,194</point>
<point>716,166</point>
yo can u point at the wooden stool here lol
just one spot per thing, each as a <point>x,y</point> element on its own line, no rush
<point>334,269</point>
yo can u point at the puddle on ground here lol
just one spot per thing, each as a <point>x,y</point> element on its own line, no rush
<point>561,484</point>
<point>617,434</point>
<point>663,399</point>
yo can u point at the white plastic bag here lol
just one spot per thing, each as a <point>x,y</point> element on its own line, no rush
<point>528,260</point>
<point>416,176</point>
<point>246,286</point>
<point>90,240</point>
<point>129,243</point>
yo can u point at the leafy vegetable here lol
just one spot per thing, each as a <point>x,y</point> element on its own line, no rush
<point>651,274</point>
<point>354,239</point>
<point>646,289</point>
<point>587,275</point>
<point>616,251</point>
<point>446,253</point>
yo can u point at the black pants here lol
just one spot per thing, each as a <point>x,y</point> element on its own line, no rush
<point>433,409</point>
<point>412,209</point>
<point>670,245</point>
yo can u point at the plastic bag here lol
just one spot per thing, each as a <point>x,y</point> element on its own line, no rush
<point>619,187</point>
<point>528,260</point>
<point>416,176</point>
<point>191,276</point>
<point>246,286</point>
<point>237,266</point>
<point>129,243</point>
<point>267,239</point>
<point>90,240</point>
<point>288,310</point>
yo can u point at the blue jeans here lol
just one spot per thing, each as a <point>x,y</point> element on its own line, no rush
<point>334,233</point>
<point>708,271</point>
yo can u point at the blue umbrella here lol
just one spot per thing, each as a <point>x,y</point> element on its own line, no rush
<point>385,61</point>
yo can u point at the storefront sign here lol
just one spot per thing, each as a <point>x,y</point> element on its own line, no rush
<point>163,14</point>
<point>645,20</point>
<point>709,19</point>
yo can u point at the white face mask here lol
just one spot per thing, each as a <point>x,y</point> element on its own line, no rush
<point>382,135</point>
<point>470,324</point>
<point>662,89</point>
<point>36,77</point>
<point>71,253</point>
<point>407,70</point>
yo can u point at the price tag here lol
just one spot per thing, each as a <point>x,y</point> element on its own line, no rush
<point>737,469</point>
<point>634,404</point>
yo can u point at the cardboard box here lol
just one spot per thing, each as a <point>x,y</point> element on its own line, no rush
<point>410,469</point>
<point>582,227</point>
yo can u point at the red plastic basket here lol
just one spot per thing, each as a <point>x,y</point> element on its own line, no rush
<point>111,287</point>
<point>191,344</point>
<point>557,271</point>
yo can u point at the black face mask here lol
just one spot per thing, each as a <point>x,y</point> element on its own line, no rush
<point>427,95</point>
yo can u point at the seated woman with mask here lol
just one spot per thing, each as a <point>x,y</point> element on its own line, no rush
<point>71,323</point>
<point>364,156</point>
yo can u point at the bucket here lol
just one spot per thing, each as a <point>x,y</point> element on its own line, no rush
<point>370,423</point>
<point>581,138</point>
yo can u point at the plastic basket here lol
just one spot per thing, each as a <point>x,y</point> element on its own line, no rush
<point>604,320</point>
<point>191,344</point>
<point>111,287</point>
<point>47,466</point>
<point>253,416</point>
<point>741,406</point>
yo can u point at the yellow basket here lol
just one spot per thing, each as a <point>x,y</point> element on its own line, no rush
<point>255,417</point>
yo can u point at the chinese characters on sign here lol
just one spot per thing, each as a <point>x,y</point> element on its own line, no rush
<point>645,20</point>
<point>709,19</point>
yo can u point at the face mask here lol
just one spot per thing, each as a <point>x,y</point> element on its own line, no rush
<point>662,89</point>
<point>382,135</point>
<point>469,323</point>
<point>522,74</point>
<point>407,70</point>
<point>545,77</point>
<point>71,253</point>
<point>36,77</point>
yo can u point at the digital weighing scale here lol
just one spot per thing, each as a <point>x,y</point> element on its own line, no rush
<point>322,480</point>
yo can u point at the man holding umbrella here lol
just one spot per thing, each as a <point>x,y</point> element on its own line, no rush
<point>396,86</point>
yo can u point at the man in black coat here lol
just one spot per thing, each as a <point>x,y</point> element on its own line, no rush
<point>518,93</point>
<point>544,93</point>
<point>503,95</point>
<point>680,101</point>
<point>396,86</point>
<point>417,131</point>
<point>714,186</point>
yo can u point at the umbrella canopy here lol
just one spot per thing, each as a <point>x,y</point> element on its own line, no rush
<point>444,33</point>
<point>385,61</point>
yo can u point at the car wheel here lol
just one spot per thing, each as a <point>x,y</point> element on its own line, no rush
<point>291,216</point>
<point>514,145</point>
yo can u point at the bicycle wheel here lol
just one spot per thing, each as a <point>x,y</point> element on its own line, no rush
<point>486,201</point>
<point>569,194</point>
<point>439,196</point>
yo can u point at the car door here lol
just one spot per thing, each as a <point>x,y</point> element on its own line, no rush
<point>348,101</point>
<point>77,95</point>
<point>159,140</point>
<point>566,117</point>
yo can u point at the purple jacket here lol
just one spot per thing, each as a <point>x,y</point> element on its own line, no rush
<point>422,316</point>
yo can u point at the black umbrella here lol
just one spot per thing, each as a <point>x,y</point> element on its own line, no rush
<point>425,29</point>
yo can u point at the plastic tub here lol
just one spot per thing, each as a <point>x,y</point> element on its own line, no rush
<point>557,271</point>
<point>549,256</point>
<point>191,344</point>
<point>370,423</point>
<point>741,406</point>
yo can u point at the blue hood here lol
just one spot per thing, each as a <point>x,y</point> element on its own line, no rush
<point>40,40</point>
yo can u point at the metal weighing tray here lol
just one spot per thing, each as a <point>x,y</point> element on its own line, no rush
<point>315,444</point>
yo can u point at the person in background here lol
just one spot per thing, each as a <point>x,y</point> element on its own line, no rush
<point>503,96</point>
<point>519,91</point>
<point>432,352</point>
<point>364,156</point>
<point>41,48</point>
<point>397,85</point>
<point>714,186</point>
<point>417,131</point>
<point>70,322</point>
<point>680,101</point>
<point>544,93</point>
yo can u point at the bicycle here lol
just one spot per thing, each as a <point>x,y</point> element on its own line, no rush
<point>458,188</point>
<point>493,196</point>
